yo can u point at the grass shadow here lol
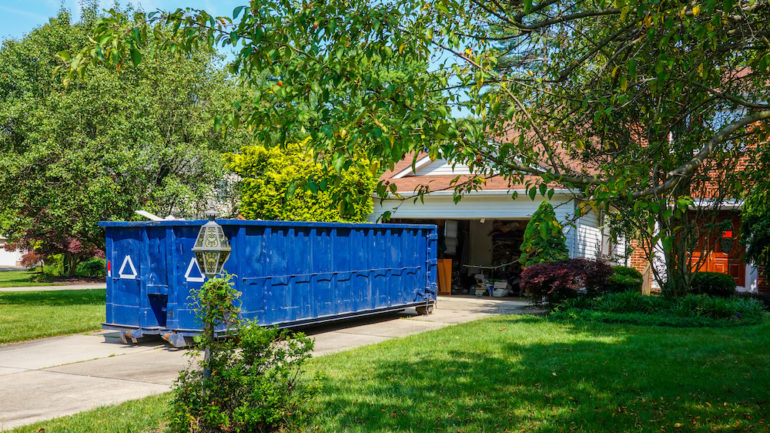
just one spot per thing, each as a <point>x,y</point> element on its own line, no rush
<point>529,374</point>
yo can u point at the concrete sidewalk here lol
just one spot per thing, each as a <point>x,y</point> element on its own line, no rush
<point>84,286</point>
<point>59,376</point>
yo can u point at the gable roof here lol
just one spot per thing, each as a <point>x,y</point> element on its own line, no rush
<point>438,175</point>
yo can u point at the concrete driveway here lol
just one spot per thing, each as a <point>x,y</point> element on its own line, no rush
<point>58,376</point>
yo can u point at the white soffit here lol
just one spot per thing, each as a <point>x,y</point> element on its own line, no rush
<point>408,171</point>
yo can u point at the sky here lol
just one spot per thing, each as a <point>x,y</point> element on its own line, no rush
<point>19,17</point>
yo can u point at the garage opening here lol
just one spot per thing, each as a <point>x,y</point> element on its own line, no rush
<point>478,257</point>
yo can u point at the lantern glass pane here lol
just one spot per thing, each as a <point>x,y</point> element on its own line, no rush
<point>199,241</point>
<point>222,259</point>
<point>212,259</point>
<point>200,260</point>
<point>212,237</point>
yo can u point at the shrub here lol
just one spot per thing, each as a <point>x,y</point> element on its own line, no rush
<point>249,382</point>
<point>543,240</point>
<point>627,271</point>
<point>713,283</point>
<point>288,184</point>
<point>624,302</point>
<point>31,259</point>
<point>755,219</point>
<point>93,267</point>
<point>553,283</point>
<point>623,280</point>
<point>763,298</point>
<point>635,308</point>
<point>717,307</point>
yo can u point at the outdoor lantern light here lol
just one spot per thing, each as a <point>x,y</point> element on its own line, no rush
<point>211,247</point>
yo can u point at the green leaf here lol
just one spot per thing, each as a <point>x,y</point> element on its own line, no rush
<point>339,162</point>
<point>237,11</point>
<point>527,6</point>
<point>136,56</point>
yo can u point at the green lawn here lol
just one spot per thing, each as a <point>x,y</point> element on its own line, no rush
<point>526,374</point>
<point>28,315</point>
<point>20,279</point>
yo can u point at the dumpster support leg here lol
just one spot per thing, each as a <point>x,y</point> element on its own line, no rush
<point>176,340</point>
<point>131,334</point>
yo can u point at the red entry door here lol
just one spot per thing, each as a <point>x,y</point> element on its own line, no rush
<point>724,254</point>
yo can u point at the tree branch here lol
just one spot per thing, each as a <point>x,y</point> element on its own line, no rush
<point>737,100</point>
<point>673,176</point>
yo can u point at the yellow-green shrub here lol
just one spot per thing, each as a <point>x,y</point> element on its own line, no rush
<point>288,184</point>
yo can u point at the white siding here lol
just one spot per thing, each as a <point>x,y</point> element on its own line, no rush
<point>588,239</point>
<point>752,275</point>
<point>619,251</point>
<point>8,258</point>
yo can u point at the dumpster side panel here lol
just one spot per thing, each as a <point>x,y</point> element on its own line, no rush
<point>288,273</point>
<point>154,282</point>
<point>321,256</point>
<point>125,300</point>
<point>250,259</point>
<point>188,277</point>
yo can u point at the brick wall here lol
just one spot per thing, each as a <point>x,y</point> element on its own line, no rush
<point>711,188</point>
<point>637,260</point>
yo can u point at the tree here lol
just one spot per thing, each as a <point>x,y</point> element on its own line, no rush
<point>633,105</point>
<point>755,215</point>
<point>288,184</point>
<point>102,147</point>
<point>544,240</point>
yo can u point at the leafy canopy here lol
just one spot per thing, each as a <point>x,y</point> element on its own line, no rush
<point>104,146</point>
<point>554,82</point>
<point>640,105</point>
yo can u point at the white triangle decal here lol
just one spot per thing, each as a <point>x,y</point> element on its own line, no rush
<point>193,279</point>
<point>122,273</point>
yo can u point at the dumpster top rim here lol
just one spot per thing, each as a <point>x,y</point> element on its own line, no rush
<point>237,222</point>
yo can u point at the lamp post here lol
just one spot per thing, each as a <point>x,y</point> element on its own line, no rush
<point>211,251</point>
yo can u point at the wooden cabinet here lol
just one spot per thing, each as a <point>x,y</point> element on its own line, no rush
<point>445,276</point>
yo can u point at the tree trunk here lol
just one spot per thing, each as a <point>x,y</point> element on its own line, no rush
<point>69,265</point>
<point>676,253</point>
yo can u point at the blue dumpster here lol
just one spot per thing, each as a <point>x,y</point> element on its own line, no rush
<point>289,273</point>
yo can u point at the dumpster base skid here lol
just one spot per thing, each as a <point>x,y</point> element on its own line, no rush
<point>182,337</point>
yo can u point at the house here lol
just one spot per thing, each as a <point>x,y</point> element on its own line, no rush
<point>9,258</point>
<point>722,251</point>
<point>482,233</point>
